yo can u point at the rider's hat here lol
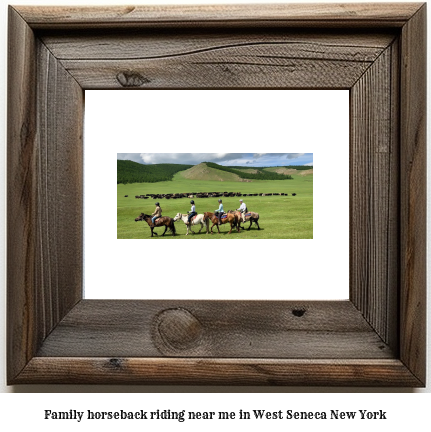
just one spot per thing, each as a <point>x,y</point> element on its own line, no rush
<point>192,202</point>
<point>157,203</point>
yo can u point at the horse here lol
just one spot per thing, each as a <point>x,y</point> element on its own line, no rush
<point>227,217</point>
<point>250,216</point>
<point>237,215</point>
<point>198,219</point>
<point>165,221</point>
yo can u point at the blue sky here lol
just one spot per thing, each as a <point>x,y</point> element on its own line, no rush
<point>239,159</point>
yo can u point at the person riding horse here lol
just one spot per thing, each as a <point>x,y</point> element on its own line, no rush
<point>242,209</point>
<point>219,212</point>
<point>156,214</point>
<point>192,212</point>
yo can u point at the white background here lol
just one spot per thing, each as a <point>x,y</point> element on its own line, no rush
<point>197,121</point>
<point>26,410</point>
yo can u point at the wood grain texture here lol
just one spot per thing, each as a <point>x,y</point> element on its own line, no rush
<point>374,195</point>
<point>285,61</point>
<point>413,194</point>
<point>217,371</point>
<point>21,194</point>
<point>59,170</point>
<point>241,329</point>
<point>141,44</point>
<point>45,106</point>
<point>208,59</point>
<point>377,338</point>
<point>299,15</point>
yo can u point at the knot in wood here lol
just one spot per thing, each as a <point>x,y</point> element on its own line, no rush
<point>298,312</point>
<point>131,79</point>
<point>115,363</point>
<point>178,329</point>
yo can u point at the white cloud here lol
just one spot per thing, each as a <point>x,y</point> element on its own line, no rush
<point>294,155</point>
<point>256,159</point>
<point>135,157</point>
<point>188,158</point>
<point>278,155</point>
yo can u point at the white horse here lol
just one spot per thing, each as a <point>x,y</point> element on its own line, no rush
<point>196,220</point>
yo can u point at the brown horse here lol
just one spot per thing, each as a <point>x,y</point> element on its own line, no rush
<point>250,216</point>
<point>165,221</point>
<point>237,215</point>
<point>230,218</point>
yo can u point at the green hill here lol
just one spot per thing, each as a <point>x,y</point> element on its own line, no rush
<point>261,174</point>
<point>133,172</point>
<point>203,172</point>
<point>291,170</point>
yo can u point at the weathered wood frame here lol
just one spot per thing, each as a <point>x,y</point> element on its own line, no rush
<point>376,338</point>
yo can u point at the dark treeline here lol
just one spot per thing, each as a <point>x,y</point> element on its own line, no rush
<point>297,167</point>
<point>261,175</point>
<point>133,172</point>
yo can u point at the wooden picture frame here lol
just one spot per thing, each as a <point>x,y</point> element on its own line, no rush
<point>376,338</point>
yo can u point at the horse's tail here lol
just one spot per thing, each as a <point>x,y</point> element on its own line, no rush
<point>172,227</point>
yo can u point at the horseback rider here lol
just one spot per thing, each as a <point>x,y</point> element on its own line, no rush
<point>192,212</point>
<point>219,211</point>
<point>242,209</point>
<point>156,214</point>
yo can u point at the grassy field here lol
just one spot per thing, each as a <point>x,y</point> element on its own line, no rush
<point>281,217</point>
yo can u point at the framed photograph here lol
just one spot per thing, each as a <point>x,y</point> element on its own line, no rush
<point>375,337</point>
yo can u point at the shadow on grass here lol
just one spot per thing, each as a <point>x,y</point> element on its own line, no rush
<point>202,234</point>
<point>222,233</point>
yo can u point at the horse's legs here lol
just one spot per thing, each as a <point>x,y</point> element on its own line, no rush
<point>230,228</point>
<point>257,223</point>
<point>189,225</point>
<point>248,229</point>
<point>166,228</point>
